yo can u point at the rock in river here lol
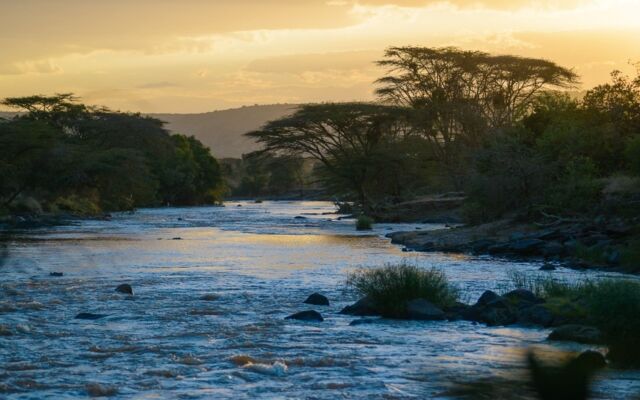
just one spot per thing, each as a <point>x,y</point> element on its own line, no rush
<point>309,315</point>
<point>56,274</point>
<point>577,333</point>
<point>124,288</point>
<point>362,308</point>
<point>422,309</point>
<point>317,300</point>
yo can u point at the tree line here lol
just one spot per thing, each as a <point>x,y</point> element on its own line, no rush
<point>511,132</point>
<point>58,155</point>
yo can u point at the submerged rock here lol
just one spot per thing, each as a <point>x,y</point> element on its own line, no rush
<point>591,360</point>
<point>5,331</point>
<point>548,267</point>
<point>56,274</point>
<point>363,308</point>
<point>537,315</point>
<point>422,309</point>
<point>89,316</point>
<point>125,288</point>
<point>317,300</point>
<point>310,315</point>
<point>523,296</point>
<point>577,333</point>
<point>210,297</point>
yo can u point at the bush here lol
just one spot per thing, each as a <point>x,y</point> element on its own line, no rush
<point>630,255</point>
<point>364,223</point>
<point>632,155</point>
<point>614,306</point>
<point>392,286</point>
<point>545,286</point>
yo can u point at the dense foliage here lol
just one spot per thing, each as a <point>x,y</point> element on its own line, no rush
<point>59,155</point>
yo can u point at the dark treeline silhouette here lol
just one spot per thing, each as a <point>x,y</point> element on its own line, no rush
<point>62,156</point>
<point>503,129</point>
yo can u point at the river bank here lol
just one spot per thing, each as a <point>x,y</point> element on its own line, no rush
<point>601,243</point>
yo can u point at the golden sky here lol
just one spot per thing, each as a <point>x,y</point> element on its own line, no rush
<point>203,55</point>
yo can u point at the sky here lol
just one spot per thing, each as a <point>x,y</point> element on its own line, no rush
<point>192,56</point>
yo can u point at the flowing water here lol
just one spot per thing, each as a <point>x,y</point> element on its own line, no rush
<point>261,262</point>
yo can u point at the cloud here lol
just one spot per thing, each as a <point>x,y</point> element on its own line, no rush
<point>494,4</point>
<point>157,85</point>
<point>30,67</point>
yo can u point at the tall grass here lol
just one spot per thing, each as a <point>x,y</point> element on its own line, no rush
<point>364,223</point>
<point>612,305</point>
<point>392,286</point>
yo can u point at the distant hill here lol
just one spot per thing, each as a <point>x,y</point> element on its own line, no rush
<point>222,131</point>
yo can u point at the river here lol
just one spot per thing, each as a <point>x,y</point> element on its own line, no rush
<point>262,262</point>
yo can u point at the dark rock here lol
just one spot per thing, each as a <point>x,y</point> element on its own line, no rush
<point>317,300</point>
<point>591,360</point>
<point>550,249</point>
<point>548,267</point>
<point>480,246</point>
<point>309,315</point>
<point>56,274</point>
<point>498,248</point>
<point>523,295</point>
<point>613,257</point>
<point>176,238</point>
<point>363,308</point>
<point>85,315</point>
<point>577,333</point>
<point>525,246</point>
<point>497,316</point>
<point>421,309</point>
<point>364,321</point>
<point>536,315</point>
<point>210,297</point>
<point>239,205</point>
<point>457,311</point>
<point>487,297</point>
<point>299,217</point>
<point>125,288</point>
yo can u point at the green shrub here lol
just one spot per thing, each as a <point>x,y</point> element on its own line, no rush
<point>632,155</point>
<point>630,255</point>
<point>392,286</point>
<point>364,223</point>
<point>614,307</point>
<point>543,285</point>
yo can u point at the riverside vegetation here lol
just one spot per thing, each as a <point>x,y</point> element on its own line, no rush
<point>529,164</point>
<point>600,311</point>
<point>60,156</point>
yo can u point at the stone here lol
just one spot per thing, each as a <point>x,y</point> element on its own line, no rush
<point>551,249</point>
<point>363,308</point>
<point>299,217</point>
<point>536,315</point>
<point>210,297</point>
<point>310,315</point>
<point>487,297</point>
<point>422,309</point>
<point>125,288</point>
<point>577,333</point>
<point>523,295</point>
<point>89,316</point>
<point>591,360</point>
<point>548,267</point>
<point>56,274</point>
<point>317,300</point>
<point>526,246</point>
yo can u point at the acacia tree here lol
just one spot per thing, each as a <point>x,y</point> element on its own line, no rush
<point>458,96</point>
<point>348,139</point>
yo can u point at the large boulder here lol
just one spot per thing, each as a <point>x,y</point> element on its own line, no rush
<point>526,246</point>
<point>577,333</point>
<point>491,309</point>
<point>362,308</point>
<point>317,300</point>
<point>310,315</point>
<point>421,309</point>
<point>487,297</point>
<point>536,314</point>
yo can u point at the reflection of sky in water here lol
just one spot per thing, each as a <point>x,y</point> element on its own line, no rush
<point>263,262</point>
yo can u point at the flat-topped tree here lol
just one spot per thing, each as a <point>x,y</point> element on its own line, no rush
<point>459,96</point>
<point>352,141</point>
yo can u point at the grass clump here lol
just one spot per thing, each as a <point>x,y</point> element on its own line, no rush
<point>392,286</point>
<point>614,307</point>
<point>364,223</point>
<point>611,305</point>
